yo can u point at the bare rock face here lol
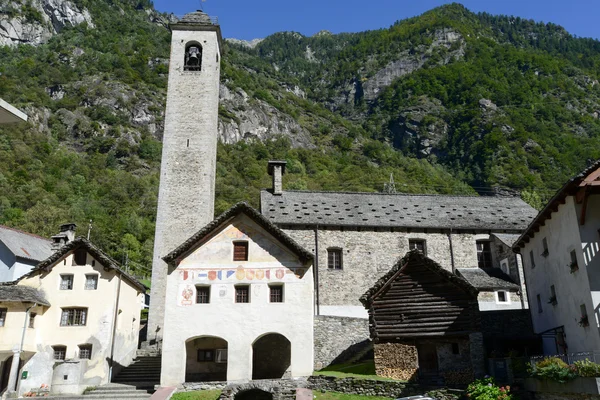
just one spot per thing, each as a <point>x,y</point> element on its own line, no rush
<point>36,21</point>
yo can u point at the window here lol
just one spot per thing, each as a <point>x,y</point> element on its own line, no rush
<point>502,296</point>
<point>539,303</point>
<point>240,251</point>
<point>584,321</point>
<point>202,294</point>
<point>334,258</point>
<point>276,293</point>
<point>73,317</point>
<point>32,316</point>
<point>417,244</point>
<point>80,257</point>
<point>60,352</point>
<point>573,264</point>
<point>553,300</point>
<point>531,259</point>
<point>206,355</point>
<point>484,254</point>
<point>242,294</point>
<point>66,282</point>
<point>2,316</point>
<point>193,57</point>
<point>85,351</point>
<point>221,356</point>
<point>455,348</point>
<point>91,282</point>
<point>545,246</point>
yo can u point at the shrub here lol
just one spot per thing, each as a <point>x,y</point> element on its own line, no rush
<point>486,389</point>
<point>587,368</point>
<point>554,369</point>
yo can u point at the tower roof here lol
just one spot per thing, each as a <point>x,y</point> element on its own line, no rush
<point>196,17</point>
<point>198,21</point>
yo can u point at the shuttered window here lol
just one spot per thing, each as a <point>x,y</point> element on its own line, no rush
<point>240,251</point>
<point>334,258</point>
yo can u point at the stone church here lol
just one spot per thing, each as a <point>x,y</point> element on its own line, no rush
<point>275,293</point>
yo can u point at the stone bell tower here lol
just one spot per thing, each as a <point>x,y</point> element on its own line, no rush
<point>187,173</point>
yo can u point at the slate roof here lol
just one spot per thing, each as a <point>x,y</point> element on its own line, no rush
<point>237,209</point>
<point>492,278</point>
<point>396,210</point>
<point>570,188</point>
<point>25,245</point>
<point>196,17</point>
<point>508,239</point>
<point>418,257</point>
<point>98,254</point>
<point>11,293</point>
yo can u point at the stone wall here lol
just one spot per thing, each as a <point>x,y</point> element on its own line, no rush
<point>396,361</point>
<point>338,339</point>
<point>369,254</point>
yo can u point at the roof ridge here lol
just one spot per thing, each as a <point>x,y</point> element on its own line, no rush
<point>401,194</point>
<point>25,233</point>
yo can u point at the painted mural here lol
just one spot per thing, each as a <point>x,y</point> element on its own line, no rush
<point>268,262</point>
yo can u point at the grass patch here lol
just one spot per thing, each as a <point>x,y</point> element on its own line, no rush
<point>359,371</point>
<point>197,395</point>
<point>342,396</point>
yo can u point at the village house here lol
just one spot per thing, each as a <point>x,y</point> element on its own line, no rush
<point>68,324</point>
<point>245,292</point>
<point>425,323</point>
<point>357,237</point>
<point>20,252</point>
<point>560,249</point>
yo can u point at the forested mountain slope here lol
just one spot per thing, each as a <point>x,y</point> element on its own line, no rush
<point>446,101</point>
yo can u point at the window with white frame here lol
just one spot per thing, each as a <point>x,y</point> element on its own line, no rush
<point>502,297</point>
<point>73,317</point>
<point>85,351</point>
<point>334,258</point>
<point>60,352</point>
<point>66,282</point>
<point>91,282</point>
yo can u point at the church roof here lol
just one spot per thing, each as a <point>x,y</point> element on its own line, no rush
<point>490,278</point>
<point>11,293</point>
<point>25,245</point>
<point>196,17</point>
<point>104,259</point>
<point>396,210</point>
<point>239,208</point>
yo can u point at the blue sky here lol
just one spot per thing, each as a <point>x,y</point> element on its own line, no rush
<point>247,20</point>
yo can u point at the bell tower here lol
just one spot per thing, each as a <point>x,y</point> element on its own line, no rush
<point>187,173</point>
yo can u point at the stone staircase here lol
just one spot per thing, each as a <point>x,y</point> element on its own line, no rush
<point>109,391</point>
<point>143,372</point>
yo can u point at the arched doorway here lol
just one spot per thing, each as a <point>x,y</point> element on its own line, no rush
<point>271,357</point>
<point>253,394</point>
<point>206,359</point>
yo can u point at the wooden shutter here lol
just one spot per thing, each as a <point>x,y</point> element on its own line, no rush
<point>240,251</point>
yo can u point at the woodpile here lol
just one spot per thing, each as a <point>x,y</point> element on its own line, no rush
<point>396,361</point>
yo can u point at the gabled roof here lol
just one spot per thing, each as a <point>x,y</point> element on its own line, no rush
<point>11,293</point>
<point>396,210</point>
<point>25,245</point>
<point>415,256</point>
<point>586,182</point>
<point>508,239</point>
<point>491,278</point>
<point>237,209</point>
<point>98,254</point>
<point>10,114</point>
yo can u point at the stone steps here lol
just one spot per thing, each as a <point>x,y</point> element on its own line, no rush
<point>143,372</point>
<point>110,391</point>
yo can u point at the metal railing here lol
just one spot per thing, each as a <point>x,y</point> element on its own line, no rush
<point>569,358</point>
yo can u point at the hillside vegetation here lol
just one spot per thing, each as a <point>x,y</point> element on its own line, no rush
<point>447,102</point>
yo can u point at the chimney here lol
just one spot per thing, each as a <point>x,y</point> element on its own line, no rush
<point>276,169</point>
<point>66,235</point>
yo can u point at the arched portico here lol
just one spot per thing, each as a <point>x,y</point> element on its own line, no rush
<point>271,357</point>
<point>206,359</point>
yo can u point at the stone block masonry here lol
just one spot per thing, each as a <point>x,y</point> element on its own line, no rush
<point>339,339</point>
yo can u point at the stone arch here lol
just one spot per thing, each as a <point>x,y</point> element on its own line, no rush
<point>206,359</point>
<point>192,57</point>
<point>271,356</point>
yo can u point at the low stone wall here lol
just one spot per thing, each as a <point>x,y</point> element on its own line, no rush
<point>369,387</point>
<point>577,389</point>
<point>338,339</point>
<point>396,361</point>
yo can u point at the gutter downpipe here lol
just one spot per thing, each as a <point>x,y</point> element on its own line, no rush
<point>114,331</point>
<point>14,367</point>
<point>317,308</point>
<point>451,251</point>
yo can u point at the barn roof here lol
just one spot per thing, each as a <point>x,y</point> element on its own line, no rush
<point>102,257</point>
<point>396,210</point>
<point>11,293</point>
<point>237,209</point>
<point>25,245</point>
<point>490,278</point>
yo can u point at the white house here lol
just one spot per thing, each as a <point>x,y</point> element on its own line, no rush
<point>69,323</point>
<point>239,303</point>
<point>562,267</point>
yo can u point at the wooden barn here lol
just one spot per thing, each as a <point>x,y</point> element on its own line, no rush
<point>425,323</point>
